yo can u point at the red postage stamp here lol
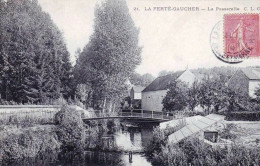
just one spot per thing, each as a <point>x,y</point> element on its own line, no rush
<point>241,36</point>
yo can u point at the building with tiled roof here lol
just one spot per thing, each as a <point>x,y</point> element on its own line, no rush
<point>162,82</point>
<point>246,80</point>
<point>154,93</point>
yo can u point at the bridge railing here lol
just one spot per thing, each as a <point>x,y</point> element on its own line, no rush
<point>146,114</point>
<point>135,113</point>
<point>139,113</point>
<point>98,114</point>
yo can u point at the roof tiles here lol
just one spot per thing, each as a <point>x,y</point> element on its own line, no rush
<point>161,83</point>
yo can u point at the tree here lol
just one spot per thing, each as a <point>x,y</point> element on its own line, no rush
<point>112,54</point>
<point>176,97</point>
<point>193,95</point>
<point>206,92</point>
<point>83,93</point>
<point>142,80</point>
<point>34,61</point>
<point>147,79</point>
<point>257,94</point>
<point>136,79</point>
<point>216,94</point>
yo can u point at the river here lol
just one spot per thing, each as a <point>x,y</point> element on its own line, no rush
<point>127,138</point>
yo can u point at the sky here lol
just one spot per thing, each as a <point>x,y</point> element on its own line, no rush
<point>170,40</point>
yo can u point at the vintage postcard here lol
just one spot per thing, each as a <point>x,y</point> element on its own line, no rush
<point>130,82</point>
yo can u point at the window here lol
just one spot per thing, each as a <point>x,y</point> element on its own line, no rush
<point>211,136</point>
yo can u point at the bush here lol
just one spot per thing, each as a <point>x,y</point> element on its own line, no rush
<point>246,116</point>
<point>227,134</point>
<point>193,113</point>
<point>159,139</point>
<point>194,152</point>
<point>188,152</point>
<point>70,129</point>
<point>29,142</point>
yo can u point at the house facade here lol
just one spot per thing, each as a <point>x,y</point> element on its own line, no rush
<point>136,92</point>
<point>136,96</point>
<point>153,94</point>
<point>246,80</point>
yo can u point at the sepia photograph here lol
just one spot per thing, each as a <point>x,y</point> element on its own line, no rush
<point>129,83</point>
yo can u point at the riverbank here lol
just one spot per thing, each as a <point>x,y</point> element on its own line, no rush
<point>21,139</point>
<point>17,143</point>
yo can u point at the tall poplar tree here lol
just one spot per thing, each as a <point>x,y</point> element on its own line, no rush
<point>112,54</point>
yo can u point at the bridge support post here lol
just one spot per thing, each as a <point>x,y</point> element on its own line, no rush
<point>130,156</point>
<point>152,114</point>
<point>142,111</point>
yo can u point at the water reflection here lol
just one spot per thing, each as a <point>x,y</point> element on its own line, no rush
<point>127,139</point>
<point>133,138</point>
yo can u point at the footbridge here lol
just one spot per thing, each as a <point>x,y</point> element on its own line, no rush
<point>133,115</point>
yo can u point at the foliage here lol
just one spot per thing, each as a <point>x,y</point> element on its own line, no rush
<point>176,97</point>
<point>159,139</point>
<point>111,56</point>
<point>243,115</point>
<point>194,152</point>
<point>83,94</point>
<point>34,61</point>
<point>70,129</point>
<point>214,93</point>
<point>25,120</point>
<point>225,73</point>
<point>193,96</point>
<point>205,95</point>
<point>96,129</point>
<point>28,142</point>
<point>257,94</point>
<point>142,80</point>
<point>189,113</point>
<point>227,134</point>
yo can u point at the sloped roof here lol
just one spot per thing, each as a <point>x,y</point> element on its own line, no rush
<point>161,83</point>
<point>199,123</point>
<point>138,89</point>
<point>252,73</point>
